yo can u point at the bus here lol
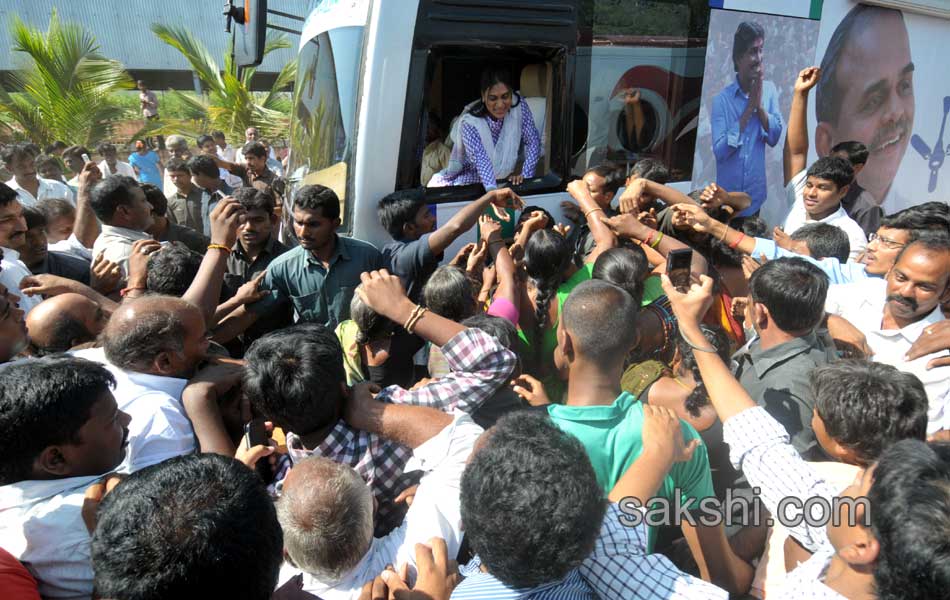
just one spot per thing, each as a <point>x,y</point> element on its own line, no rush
<point>379,80</point>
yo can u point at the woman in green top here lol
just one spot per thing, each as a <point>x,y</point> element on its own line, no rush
<point>551,277</point>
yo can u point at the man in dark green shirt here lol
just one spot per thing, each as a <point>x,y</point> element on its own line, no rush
<point>319,276</point>
<point>786,304</point>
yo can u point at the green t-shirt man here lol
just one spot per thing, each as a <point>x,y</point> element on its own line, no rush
<point>612,436</point>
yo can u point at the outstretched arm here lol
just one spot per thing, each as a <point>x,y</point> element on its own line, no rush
<point>604,238</point>
<point>466,218</point>
<point>795,153</point>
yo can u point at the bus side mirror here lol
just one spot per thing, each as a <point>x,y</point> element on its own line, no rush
<point>251,32</point>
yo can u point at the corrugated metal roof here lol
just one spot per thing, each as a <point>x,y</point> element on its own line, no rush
<point>122,29</point>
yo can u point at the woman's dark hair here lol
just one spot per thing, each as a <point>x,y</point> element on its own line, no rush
<point>450,293</point>
<point>626,268</point>
<point>547,255</point>
<point>490,77</point>
<point>699,398</point>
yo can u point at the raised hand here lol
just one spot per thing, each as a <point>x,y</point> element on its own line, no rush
<point>690,306</point>
<point>504,198</point>
<point>104,275</point>
<point>138,261</point>
<point>89,176</point>
<point>226,217</point>
<point>633,198</point>
<point>461,258</point>
<point>476,259</point>
<point>648,218</point>
<point>625,225</point>
<point>563,229</point>
<point>690,216</point>
<point>489,228</point>
<point>530,390</point>
<point>785,241</point>
<point>384,293</point>
<point>663,434</point>
<point>807,79</point>
<point>631,97</point>
<point>713,197</point>
<point>536,222</point>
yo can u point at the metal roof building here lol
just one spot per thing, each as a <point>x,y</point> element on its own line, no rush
<point>121,28</point>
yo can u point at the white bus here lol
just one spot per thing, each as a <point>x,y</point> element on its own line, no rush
<point>374,74</point>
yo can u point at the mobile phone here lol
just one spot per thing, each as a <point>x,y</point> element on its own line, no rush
<point>678,264</point>
<point>85,159</point>
<point>255,434</point>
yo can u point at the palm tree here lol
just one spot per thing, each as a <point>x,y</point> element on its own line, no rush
<point>65,91</point>
<point>229,104</point>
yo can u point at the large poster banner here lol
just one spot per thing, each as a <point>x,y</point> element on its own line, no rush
<point>885,82</point>
<point>752,61</point>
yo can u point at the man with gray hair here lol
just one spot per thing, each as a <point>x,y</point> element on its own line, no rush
<point>326,509</point>
<point>152,345</point>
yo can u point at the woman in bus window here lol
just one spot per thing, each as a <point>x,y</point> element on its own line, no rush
<point>488,135</point>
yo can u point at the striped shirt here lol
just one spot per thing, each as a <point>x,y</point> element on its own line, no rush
<point>618,567</point>
<point>759,445</point>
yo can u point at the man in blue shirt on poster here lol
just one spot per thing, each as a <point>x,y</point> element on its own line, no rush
<point>746,116</point>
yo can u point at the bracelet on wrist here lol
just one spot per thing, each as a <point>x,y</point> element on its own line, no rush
<point>737,241</point>
<point>220,247</point>
<point>592,211</point>
<point>656,242</point>
<point>125,291</point>
<point>694,346</point>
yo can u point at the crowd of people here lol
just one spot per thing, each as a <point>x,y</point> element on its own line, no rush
<point>608,407</point>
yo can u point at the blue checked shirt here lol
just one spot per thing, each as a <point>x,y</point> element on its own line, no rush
<point>760,446</point>
<point>618,568</point>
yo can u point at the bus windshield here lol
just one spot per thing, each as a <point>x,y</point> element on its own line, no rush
<point>323,124</point>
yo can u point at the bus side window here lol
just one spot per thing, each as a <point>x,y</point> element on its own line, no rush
<point>639,80</point>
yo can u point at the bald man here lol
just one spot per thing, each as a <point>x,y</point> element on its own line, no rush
<point>64,322</point>
<point>152,345</point>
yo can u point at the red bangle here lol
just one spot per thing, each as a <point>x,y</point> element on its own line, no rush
<point>650,237</point>
<point>739,239</point>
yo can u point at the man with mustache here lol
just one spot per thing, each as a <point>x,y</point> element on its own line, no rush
<point>894,312</point>
<point>866,93</point>
<point>745,117</point>
<point>318,277</point>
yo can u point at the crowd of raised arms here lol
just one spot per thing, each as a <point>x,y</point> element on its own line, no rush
<point>203,396</point>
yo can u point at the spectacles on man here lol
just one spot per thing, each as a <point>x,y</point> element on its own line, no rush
<point>887,242</point>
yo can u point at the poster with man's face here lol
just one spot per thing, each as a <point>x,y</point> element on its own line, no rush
<point>884,83</point>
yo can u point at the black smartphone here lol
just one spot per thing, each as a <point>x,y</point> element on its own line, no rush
<point>678,264</point>
<point>255,434</point>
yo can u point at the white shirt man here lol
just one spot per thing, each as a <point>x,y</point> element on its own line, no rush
<point>49,188</point>
<point>121,168</point>
<point>12,272</point>
<point>798,217</point>
<point>862,304</point>
<point>42,527</point>
<point>115,244</point>
<point>159,429</point>
<point>435,512</point>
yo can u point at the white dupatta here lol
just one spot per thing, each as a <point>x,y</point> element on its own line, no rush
<point>503,154</point>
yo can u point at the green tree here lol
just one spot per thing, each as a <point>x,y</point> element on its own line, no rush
<point>64,91</point>
<point>228,104</point>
